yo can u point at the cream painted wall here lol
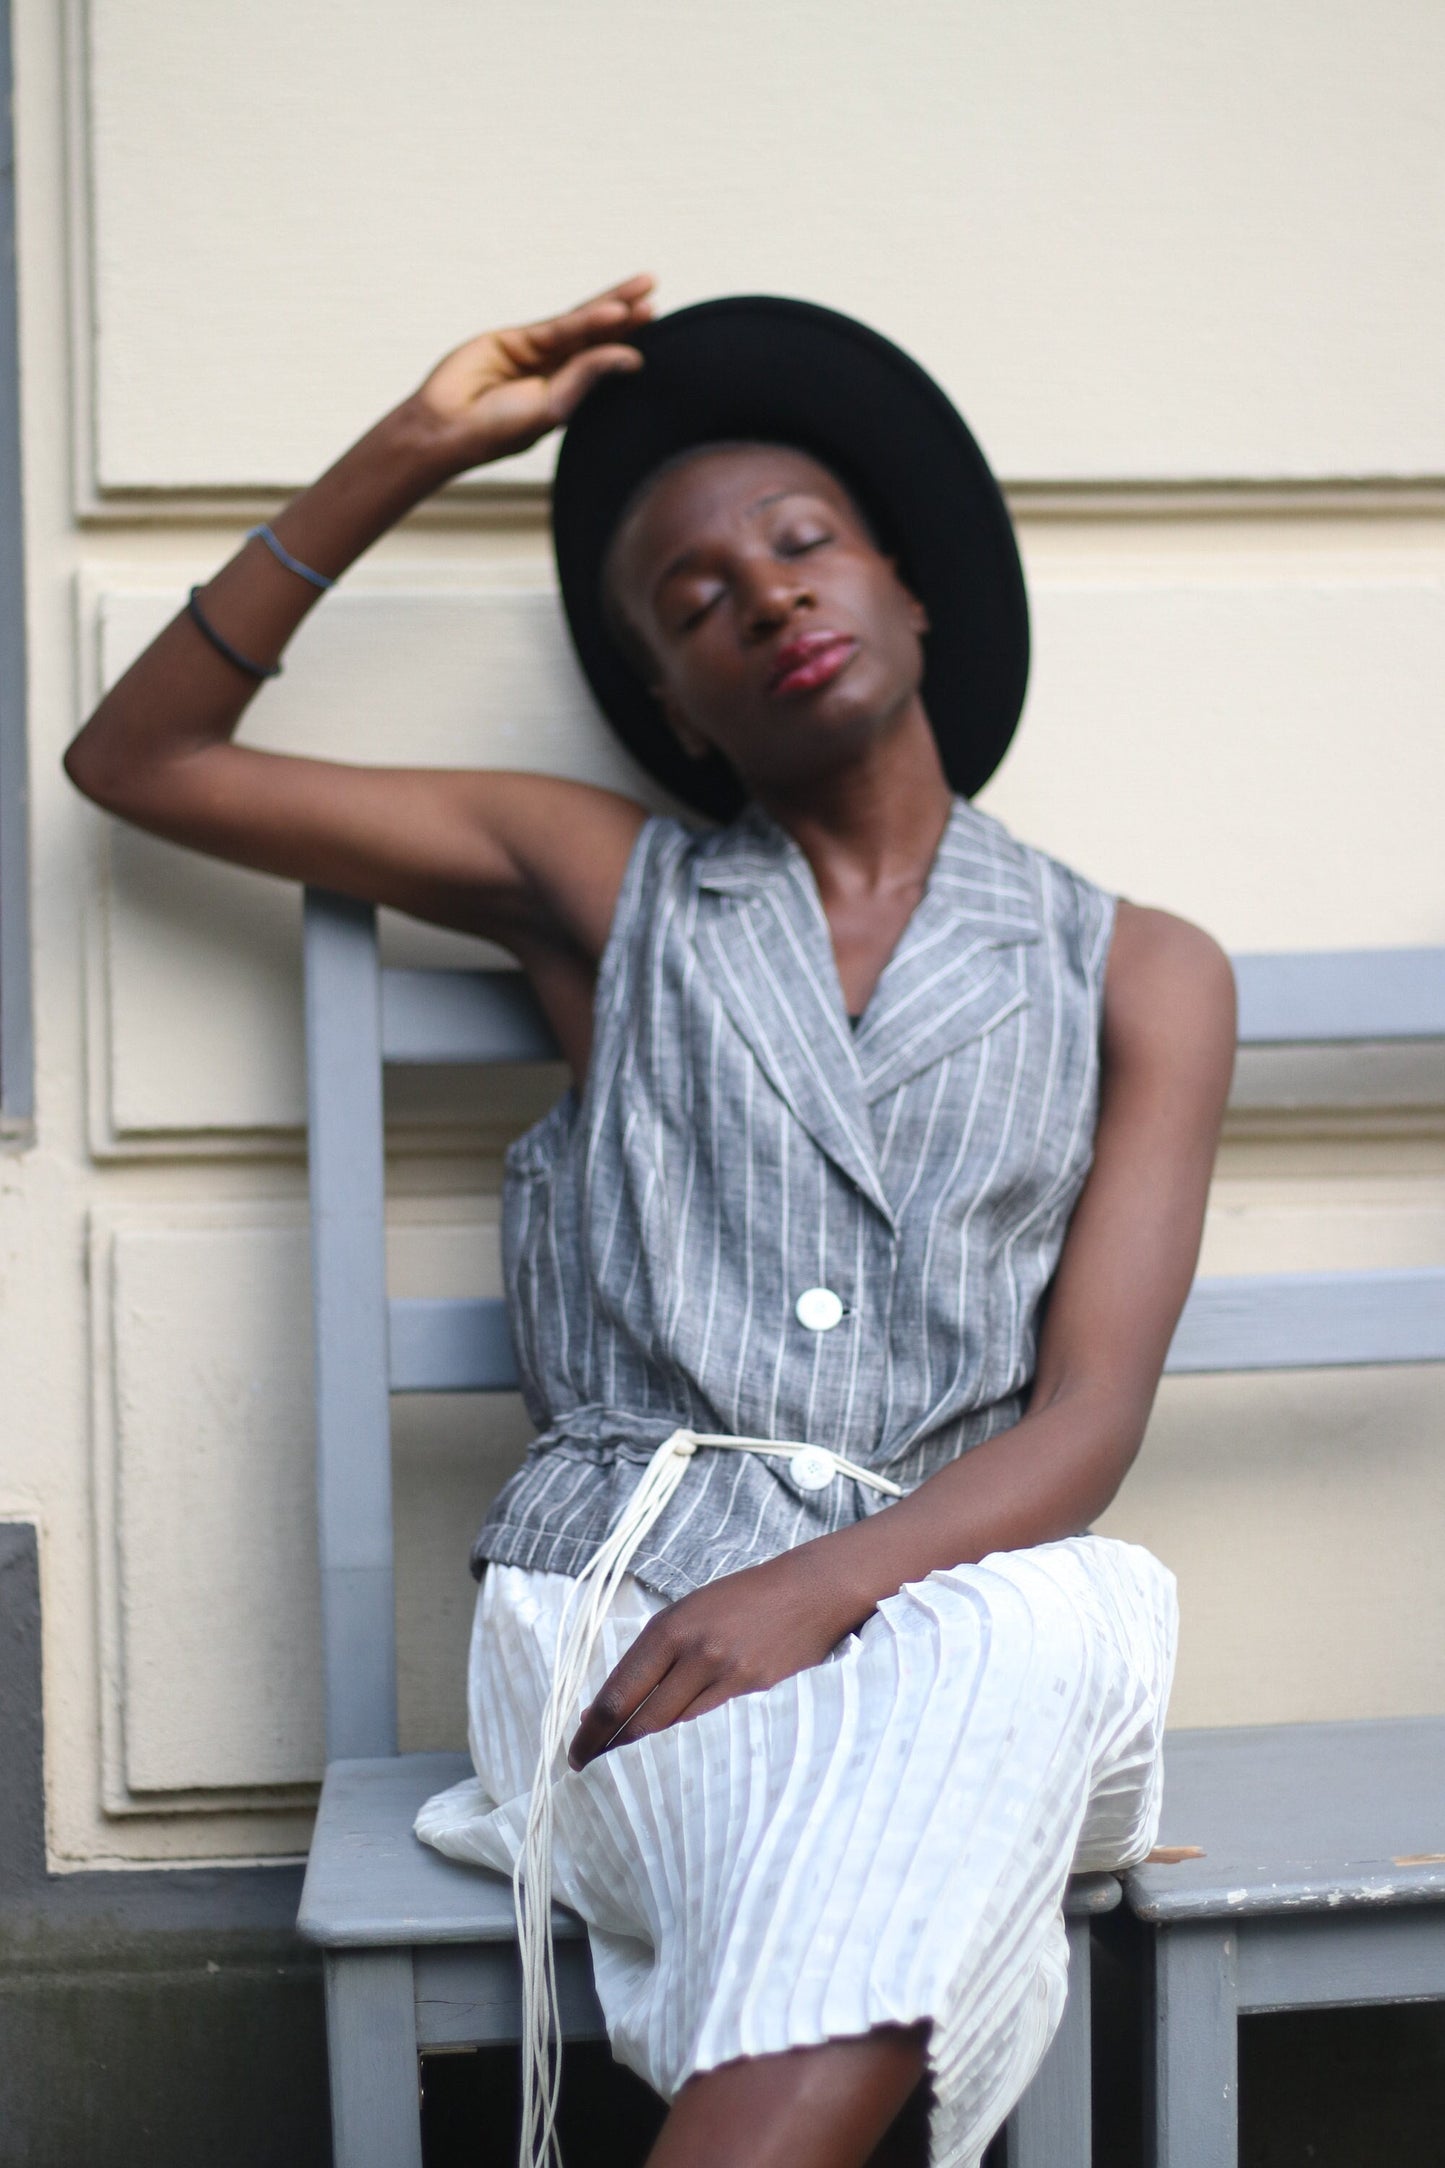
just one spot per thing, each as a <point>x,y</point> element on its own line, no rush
<point>1150,246</point>
<point>1138,239</point>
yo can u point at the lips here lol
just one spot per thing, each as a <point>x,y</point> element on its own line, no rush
<point>810,660</point>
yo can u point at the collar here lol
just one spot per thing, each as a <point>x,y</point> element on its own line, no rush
<point>956,972</point>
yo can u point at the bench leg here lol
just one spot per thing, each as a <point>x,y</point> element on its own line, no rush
<point>1052,2125</point>
<point>371,2048</point>
<point>1194,2064</point>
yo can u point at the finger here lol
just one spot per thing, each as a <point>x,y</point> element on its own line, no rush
<point>621,1713</point>
<point>627,1686</point>
<point>546,347</point>
<point>601,317</point>
<point>572,382</point>
<point>654,1713</point>
<point>670,1704</point>
<point>632,293</point>
<point>712,1697</point>
<point>636,288</point>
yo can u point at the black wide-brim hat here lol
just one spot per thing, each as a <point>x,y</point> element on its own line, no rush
<point>788,372</point>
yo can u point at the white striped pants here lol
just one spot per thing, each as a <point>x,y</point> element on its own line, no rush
<point>882,1838</point>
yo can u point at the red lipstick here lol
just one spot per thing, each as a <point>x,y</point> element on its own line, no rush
<point>812,659</point>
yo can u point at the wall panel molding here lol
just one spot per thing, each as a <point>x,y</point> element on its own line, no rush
<point>204,1511</point>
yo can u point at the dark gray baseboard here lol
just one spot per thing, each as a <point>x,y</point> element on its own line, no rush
<point>149,2017</point>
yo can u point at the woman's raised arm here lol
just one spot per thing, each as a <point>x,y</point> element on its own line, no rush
<point>493,852</point>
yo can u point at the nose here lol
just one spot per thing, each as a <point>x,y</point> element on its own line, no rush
<point>770,595</point>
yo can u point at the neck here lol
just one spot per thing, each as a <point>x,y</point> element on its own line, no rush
<point>873,827</point>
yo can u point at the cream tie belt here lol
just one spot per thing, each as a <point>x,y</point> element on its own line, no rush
<point>814,1466</point>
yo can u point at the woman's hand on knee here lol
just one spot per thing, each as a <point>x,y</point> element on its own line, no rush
<point>737,1635</point>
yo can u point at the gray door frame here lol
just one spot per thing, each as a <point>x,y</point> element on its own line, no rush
<point>16,1044</point>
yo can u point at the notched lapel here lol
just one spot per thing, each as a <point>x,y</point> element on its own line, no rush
<point>958,971</point>
<point>960,967</point>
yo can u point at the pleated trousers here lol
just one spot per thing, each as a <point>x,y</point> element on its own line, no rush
<point>881,1838</point>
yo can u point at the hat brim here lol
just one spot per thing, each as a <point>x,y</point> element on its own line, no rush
<point>783,371</point>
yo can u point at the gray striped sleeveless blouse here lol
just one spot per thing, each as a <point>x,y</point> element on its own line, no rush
<point>736,1147</point>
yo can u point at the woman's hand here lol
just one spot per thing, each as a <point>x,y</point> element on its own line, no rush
<point>505,389</point>
<point>742,1632</point>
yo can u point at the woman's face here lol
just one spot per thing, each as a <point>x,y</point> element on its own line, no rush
<point>777,631</point>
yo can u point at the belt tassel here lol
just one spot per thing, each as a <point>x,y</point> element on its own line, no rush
<point>595,1585</point>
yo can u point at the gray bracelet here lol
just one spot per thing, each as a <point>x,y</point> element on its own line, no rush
<point>222,645</point>
<point>283,556</point>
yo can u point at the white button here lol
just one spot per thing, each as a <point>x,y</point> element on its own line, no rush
<point>813,1468</point>
<point>819,1309</point>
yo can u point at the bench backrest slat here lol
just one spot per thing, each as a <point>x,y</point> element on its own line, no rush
<point>348,1281</point>
<point>1311,1321</point>
<point>1339,998</point>
<point>1258,1321</point>
<point>451,1347</point>
<point>462,1016</point>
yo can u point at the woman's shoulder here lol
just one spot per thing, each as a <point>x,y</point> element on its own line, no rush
<point>1166,970</point>
<point>1067,904</point>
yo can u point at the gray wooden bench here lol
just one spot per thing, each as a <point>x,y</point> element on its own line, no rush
<point>420,1953</point>
<point>1317,1868</point>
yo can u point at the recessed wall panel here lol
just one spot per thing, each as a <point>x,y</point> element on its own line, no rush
<point>1302,1514</point>
<point>215,1501</point>
<point>211,1630</point>
<point>1139,239</point>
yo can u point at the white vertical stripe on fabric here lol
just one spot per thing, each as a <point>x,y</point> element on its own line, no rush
<point>713,1275</point>
<point>745,1332</point>
<point>962,1238</point>
<point>784,1326</point>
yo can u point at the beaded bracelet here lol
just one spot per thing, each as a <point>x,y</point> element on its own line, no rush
<point>283,556</point>
<point>223,646</point>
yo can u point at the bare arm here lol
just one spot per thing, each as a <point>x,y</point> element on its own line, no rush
<point>1126,1268</point>
<point>525,859</point>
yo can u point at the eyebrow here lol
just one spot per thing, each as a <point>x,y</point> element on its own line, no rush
<point>684,561</point>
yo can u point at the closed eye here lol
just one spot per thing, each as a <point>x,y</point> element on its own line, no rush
<point>787,546</point>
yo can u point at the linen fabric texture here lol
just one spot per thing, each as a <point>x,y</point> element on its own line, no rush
<point>738,1142</point>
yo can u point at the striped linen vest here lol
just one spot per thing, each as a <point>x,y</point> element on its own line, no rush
<point>753,1220</point>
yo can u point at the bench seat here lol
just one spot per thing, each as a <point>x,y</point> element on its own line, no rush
<point>1314,1878</point>
<point>370,1882</point>
<point>1299,1818</point>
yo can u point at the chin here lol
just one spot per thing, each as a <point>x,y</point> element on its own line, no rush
<point>827,757</point>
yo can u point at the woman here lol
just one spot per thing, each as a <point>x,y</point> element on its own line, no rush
<point>837,1334</point>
